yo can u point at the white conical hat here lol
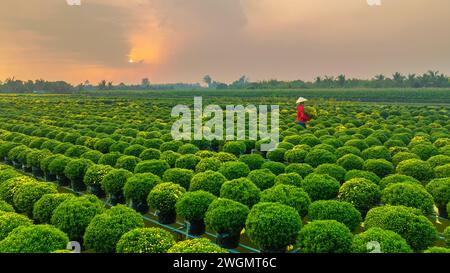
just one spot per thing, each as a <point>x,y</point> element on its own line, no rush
<point>301,99</point>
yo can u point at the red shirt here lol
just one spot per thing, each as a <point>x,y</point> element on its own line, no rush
<point>301,116</point>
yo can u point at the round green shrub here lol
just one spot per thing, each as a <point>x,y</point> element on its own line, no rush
<point>351,162</point>
<point>5,207</point>
<point>242,190</point>
<point>390,242</point>
<point>106,229</point>
<point>380,167</point>
<point>276,155</point>
<point>196,246</point>
<point>45,163</point>
<point>402,156</point>
<point>409,195</point>
<point>9,221</point>
<point>179,176</point>
<point>109,159</point>
<point>7,174</point>
<point>188,149</point>
<point>164,196</point>
<point>342,212</point>
<point>447,235</point>
<point>409,223</point>
<point>226,216</point>
<point>138,187</point>
<point>76,169</point>
<point>442,171</point>
<point>420,170</point>
<point>358,143</point>
<point>44,207</point>
<point>93,156</point>
<point>293,179</point>
<point>363,194</point>
<point>288,195</point>
<point>325,236</point>
<point>10,186</point>
<point>225,157</point>
<point>29,193</point>
<point>397,178</point>
<point>262,178</point>
<point>235,147</point>
<point>345,150</point>
<point>440,190</point>
<point>76,151</point>
<point>276,168</point>
<point>425,151</point>
<point>188,161</point>
<point>36,156</point>
<point>150,153</point>
<point>34,239</point>
<point>302,169</point>
<point>234,170</point>
<point>318,157</point>
<point>438,160</point>
<point>145,240</point>
<point>208,164</point>
<point>362,174</point>
<point>332,170</point>
<point>193,205</point>
<point>115,180</point>
<point>127,162</point>
<point>273,226</point>
<point>437,249</point>
<point>253,161</point>
<point>58,165</point>
<point>295,156</point>
<point>207,181</point>
<point>72,216</point>
<point>102,145</point>
<point>134,150</point>
<point>320,186</point>
<point>157,167</point>
<point>376,152</point>
<point>95,174</point>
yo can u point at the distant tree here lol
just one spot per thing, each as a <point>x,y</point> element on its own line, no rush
<point>145,83</point>
<point>102,85</point>
<point>208,80</point>
<point>341,80</point>
<point>110,86</point>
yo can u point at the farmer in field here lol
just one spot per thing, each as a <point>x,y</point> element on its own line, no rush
<point>302,117</point>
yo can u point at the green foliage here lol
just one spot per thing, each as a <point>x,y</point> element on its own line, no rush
<point>276,155</point>
<point>438,160</point>
<point>351,162</point>
<point>9,221</point>
<point>72,216</point>
<point>402,156</point>
<point>34,239</point>
<point>436,249</point>
<point>390,242</point>
<point>409,223</point>
<point>409,195</point>
<point>106,229</point>
<point>342,212</point>
<point>179,176</point>
<point>134,150</point>
<point>262,178</point>
<point>76,169</point>
<point>208,181</point>
<point>235,147</point>
<point>188,149</point>
<point>295,156</point>
<point>226,216</point>
<point>288,195</point>
<point>302,169</point>
<point>44,207</point>
<point>5,207</point>
<point>145,240</point>
<point>376,152</point>
<point>58,165</point>
<point>164,196</point>
<point>253,161</point>
<point>242,190</point>
<point>10,186</point>
<point>127,162</point>
<point>273,226</point>
<point>425,151</point>
<point>95,174</point>
<point>139,186</point>
<point>115,180</point>
<point>320,186</point>
<point>196,246</point>
<point>29,193</point>
<point>362,174</point>
<point>325,236</point>
<point>380,167</point>
<point>447,235</point>
<point>318,157</point>
<point>157,167</point>
<point>193,205</point>
<point>188,161</point>
<point>234,170</point>
<point>276,168</point>
<point>442,171</point>
<point>440,190</point>
<point>420,170</point>
<point>361,193</point>
<point>397,178</point>
<point>93,156</point>
<point>293,179</point>
<point>333,170</point>
<point>110,159</point>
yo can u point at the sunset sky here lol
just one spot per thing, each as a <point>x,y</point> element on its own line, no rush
<point>182,40</point>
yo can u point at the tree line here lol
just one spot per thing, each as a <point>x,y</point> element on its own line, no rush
<point>397,80</point>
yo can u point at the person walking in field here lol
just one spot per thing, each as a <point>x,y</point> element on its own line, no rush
<point>302,117</point>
